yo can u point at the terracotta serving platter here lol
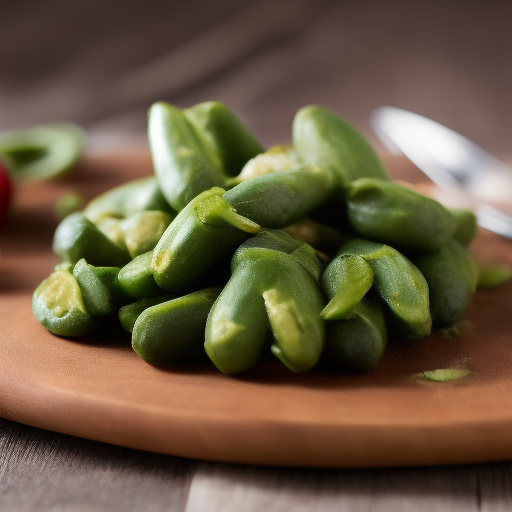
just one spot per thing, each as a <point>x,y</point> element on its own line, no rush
<point>98,388</point>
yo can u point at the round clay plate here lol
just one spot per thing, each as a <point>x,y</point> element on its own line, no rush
<point>98,388</point>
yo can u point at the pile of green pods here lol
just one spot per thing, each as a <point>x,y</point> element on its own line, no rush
<point>200,258</point>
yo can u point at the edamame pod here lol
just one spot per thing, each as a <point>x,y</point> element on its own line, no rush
<point>357,343</point>
<point>399,284</point>
<point>395,215</point>
<point>323,139</point>
<point>207,230</point>
<point>100,291</point>
<point>143,230</point>
<point>173,331</point>
<point>268,289</point>
<point>184,164</point>
<point>58,305</point>
<point>467,227</point>
<point>136,278</point>
<point>127,199</point>
<point>279,199</point>
<point>452,277</point>
<point>225,134</point>
<point>346,281</point>
<point>128,314</point>
<point>76,237</point>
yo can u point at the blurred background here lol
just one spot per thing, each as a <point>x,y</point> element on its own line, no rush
<point>102,63</point>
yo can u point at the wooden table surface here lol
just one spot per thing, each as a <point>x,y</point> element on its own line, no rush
<point>102,63</point>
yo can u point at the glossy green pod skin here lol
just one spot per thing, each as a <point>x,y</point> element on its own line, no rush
<point>225,134</point>
<point>143,230</point>
<point>184,164</point>
<point>136,278</point>
<point>268,290</point>
<point>399,284</point>
<point>76,237</point>
<point>452,277</point>
<point>174,330</point>
<point>127,199</point>
<point>277,200</point>
<point>205,232</point>
<point>112,228</point>
<point>323,139</point>
<point>42,152</point>
<point>357,343</point>
<point>58,305</point>
<point>99,286</point>
<point>346,281</point>
<point>128,314</point>
<point>398,216</point>
<point>466,226</point>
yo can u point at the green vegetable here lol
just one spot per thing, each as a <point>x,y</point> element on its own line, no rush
<point>128,314</point>
<point>452,276</point>
<point>58,305</point>
<point>136,278</point>
<point>125,200</point>
<point>346,281</point>
<point>173,331</point>
<point>99,287</point>
<point>268,289</point>
<point>41,152</point>
<point>467,227</point>
<point>184,163</point>
<point>226,136</point>
<point>205,232</point>
<point>76,237</point>
<point>399,284</point>
<point>143,230</point>
<point>443,374</point>
<point>321,138</point>
<point>279,199</point>
<point>356,343</point>
<point>395,215</point>
<point>493,275</point>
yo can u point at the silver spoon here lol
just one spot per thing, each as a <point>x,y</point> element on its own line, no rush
<point>471,176</point>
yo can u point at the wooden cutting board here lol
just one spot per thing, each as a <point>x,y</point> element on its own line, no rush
<point>98,388</point>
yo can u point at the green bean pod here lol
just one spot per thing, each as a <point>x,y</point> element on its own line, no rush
<point>143,230</point>
<point>357,343</point>
<point>346,281</point>
<point>395,215</point>
<point>399,284</point>
<point>323,139</point>
<point>279,199</point>
<point>207,230</point>
<point>127,199</point>
<point>174,330</point>
<point>225,134</point>
<point>452,277</point>
<point>184,164</point>
<point>269,291</point>
<point>129,313</point>
<point>99,286</point>
<point>136,278</point>
<point>466,226</point>
<point>76,237</point>
<point>58,305</point>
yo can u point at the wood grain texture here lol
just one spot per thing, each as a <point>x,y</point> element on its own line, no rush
<point>44,471</point>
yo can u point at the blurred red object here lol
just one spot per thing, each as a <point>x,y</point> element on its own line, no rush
<point>5,193</point>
